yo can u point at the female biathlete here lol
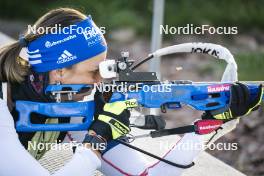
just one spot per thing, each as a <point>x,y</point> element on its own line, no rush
<point>36,60</point>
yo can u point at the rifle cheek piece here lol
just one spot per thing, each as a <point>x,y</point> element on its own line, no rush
<point>54,110</point>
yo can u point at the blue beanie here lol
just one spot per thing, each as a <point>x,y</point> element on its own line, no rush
<point>74,44</point>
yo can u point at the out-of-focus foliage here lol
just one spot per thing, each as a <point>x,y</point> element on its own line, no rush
<point>108,13</point>
<point>137,13</point>
<point>250,66</point>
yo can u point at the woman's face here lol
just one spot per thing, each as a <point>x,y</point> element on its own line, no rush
<point>86,72</point>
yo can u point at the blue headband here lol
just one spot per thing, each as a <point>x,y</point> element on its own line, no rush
<point>83,41</point>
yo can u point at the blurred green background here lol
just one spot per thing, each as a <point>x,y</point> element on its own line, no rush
<point>248,16</point>
<point>137,13</point>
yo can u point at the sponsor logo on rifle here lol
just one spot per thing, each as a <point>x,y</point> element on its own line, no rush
<point>218,88</point>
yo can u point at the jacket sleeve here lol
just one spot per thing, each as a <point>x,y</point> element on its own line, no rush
<point>15,160</point>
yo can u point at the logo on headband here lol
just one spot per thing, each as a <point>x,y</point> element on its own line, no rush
<point>92,36</point>
<point>49,44</point>
<point>91,33</point>
<point>66,56</point>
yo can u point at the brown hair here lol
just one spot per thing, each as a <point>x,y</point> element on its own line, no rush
<point>12,68</point>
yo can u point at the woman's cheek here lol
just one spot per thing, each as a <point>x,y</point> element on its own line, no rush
<point>87,79</point>
<point>80,79</point>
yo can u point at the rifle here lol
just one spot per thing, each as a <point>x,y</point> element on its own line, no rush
<point>202,96</point>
